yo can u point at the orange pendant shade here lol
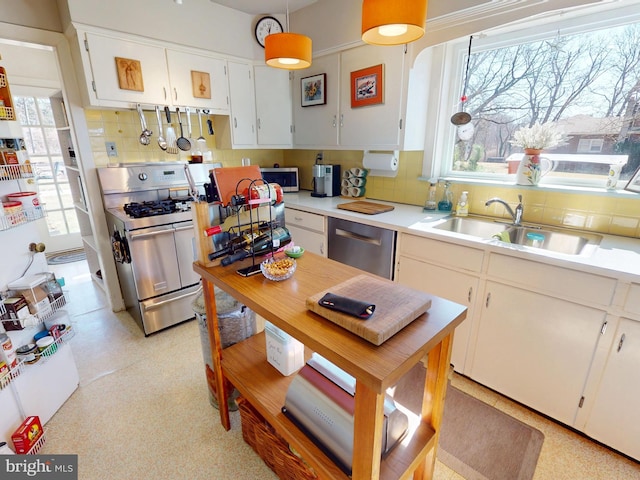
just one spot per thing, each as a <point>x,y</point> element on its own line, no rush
<point>290,51</point>
<point>393,22</point>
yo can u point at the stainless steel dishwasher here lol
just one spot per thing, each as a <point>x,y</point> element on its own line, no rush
<point>368,248</point>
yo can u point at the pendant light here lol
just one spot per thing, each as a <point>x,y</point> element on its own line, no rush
<point>291,51</point>
<point>393,22</point>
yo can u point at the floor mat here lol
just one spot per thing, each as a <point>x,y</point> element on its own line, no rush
<point>480,442</point>
<point>66,257</point>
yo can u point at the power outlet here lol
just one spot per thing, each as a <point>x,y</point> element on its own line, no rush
<point>112,151</point>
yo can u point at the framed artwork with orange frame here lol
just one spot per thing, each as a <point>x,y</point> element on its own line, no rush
<point>367,86</point>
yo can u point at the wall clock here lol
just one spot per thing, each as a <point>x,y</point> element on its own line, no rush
<point>267,26</point>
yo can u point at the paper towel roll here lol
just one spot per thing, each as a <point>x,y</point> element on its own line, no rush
<point>358,181</point>
<point>358,172</point>
<point>347,174</point>
<point>345,183</point>
<point>345,192</point>
<point>381,164</point>
<point>356,191</point>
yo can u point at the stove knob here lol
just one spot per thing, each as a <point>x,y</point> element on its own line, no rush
<point>142,176</point>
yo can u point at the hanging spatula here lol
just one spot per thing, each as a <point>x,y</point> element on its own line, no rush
<point>172,148</point>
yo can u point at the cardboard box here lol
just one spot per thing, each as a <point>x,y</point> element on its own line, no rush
<point>16,307</point>
<point>27,434</point>
<point>34,296</point>
<point>284,352</point>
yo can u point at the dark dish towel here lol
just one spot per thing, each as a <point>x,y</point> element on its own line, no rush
<point>347,305</point>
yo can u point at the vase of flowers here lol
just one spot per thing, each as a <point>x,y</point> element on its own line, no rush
<point>533,140</point>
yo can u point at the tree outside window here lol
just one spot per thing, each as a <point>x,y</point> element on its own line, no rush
<point>587,83</point>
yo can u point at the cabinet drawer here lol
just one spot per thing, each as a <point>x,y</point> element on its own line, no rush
<point>563,282</point>
<point>441,253</point>
<point>632,303</point>
<point>310,221</point>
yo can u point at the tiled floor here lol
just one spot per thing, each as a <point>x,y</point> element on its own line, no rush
<point>142,411</point>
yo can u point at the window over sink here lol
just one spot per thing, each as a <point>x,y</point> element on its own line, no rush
<point>580,70</point>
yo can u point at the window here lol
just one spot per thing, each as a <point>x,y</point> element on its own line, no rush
<point>583,75</point>
<point>41,140</point>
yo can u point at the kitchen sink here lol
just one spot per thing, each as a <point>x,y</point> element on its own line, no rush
<point>545,238</point>
<point>483,228</point>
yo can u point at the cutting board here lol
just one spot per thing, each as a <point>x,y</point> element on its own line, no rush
<point>232,180</point>
<point>396,307</point>
<point>368,208</point>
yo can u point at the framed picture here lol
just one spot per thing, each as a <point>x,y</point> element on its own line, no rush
<point>367,86</point>
<point>634,182</point>
<point>129,74</point>
<point>200,84</point>
<point>314,90</point>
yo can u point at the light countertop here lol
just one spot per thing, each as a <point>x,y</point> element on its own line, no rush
<point>615,256</point>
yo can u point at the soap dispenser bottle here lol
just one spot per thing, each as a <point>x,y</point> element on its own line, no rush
<point>446,203</point>
<point>462,209</point>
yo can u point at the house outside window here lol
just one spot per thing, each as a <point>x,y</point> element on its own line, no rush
<point>582,75</point>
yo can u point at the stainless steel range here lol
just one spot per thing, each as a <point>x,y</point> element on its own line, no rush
<point>148,213</point>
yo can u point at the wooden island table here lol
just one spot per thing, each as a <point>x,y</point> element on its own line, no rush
<point>428,339</point>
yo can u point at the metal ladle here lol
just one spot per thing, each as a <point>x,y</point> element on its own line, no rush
<point>146,133</point>
<point>162,143</point>
<point>462,117</point>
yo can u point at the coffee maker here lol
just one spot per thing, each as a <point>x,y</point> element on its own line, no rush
<point>326,180</point>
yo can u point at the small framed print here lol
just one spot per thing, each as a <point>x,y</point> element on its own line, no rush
<point>129,74</point>
<point>634,182</point>
<point>314,90</point>
<point>367,86</point>
<point>200,84</point>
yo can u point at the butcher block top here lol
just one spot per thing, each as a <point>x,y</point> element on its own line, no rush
<point>368,208</point>
<point>396,307</point>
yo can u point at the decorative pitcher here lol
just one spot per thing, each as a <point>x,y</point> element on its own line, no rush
<point>532,167</point>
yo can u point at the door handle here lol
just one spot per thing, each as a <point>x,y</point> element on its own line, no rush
<point>486,303</point>
<point>354,236</point>
<point>164,302</point>
<point>469,294</point>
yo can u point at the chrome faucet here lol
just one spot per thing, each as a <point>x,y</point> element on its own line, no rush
<point>517,215</point>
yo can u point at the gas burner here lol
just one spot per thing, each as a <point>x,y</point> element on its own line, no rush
<point>150,208</point>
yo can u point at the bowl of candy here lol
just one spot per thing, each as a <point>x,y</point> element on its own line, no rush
<point>278,269</point>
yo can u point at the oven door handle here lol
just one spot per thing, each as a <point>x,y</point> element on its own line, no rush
<point>156,232</point>
<point>155,305</point>
<point>182,229</point>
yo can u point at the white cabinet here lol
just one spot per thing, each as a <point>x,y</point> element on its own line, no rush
<point>191,74</point>
<point>429,266</point>
<point>536,349</point>
<point>308,230</point>
<point>615,417</point>
<point>338,124</point>
<point>317,125</point>
<point>120,72</point>
<point>242,119</point>
<point>273,106</point>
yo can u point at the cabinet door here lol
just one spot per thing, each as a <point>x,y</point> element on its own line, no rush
<point>242,104</point>
<point>313,242</point>
<point>449,284</point>
<point>143,76</point>
<point>615,417</point>
<point>273,106</point>
<point>192,75</point>
<point>536,349</point>
<point>317,125</point>
<point>374,126</point>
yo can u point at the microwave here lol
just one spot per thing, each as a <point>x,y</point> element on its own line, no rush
<point>286,177</point>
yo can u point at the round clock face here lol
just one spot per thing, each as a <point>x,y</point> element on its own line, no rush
<point>267,26</point>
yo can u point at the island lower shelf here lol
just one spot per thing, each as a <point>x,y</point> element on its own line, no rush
<point>245,366</point>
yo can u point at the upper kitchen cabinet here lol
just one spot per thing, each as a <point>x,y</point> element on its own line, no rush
<point>121,72</point>
<point>198,81</point>
<point>273,106</point>
<point>316,126</point>
<point>238,130</point>
<point>365,94</point>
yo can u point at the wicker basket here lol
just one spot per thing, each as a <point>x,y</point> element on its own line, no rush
<point>271,447</point>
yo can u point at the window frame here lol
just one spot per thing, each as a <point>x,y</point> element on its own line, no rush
<point>449,79</point>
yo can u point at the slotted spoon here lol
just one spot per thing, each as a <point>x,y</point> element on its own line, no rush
<point>182,142</point>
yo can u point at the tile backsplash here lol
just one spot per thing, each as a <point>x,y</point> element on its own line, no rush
<point>612,213</point>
